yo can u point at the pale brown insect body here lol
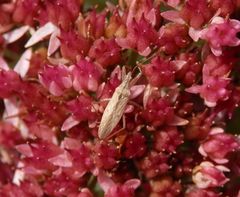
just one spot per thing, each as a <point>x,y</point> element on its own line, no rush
<point>115,108</point>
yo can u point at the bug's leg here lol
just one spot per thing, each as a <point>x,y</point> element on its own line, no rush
<point>119,130</point>
<point>95,107</point>
<point>83,93</point>
<point>124,121</point>
<point>114,133</point>
<point>102,104</point>
<point>135,104</point>
<point>135,79</point>
<point>106,99</point>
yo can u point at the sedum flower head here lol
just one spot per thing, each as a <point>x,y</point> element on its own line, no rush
<point>163,75</point>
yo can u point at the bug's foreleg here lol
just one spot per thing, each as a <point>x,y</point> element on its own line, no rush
<point>124,121</point>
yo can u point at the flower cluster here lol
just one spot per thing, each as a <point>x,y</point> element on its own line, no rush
<point>163,75</point>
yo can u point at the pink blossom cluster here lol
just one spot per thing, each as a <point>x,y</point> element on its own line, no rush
<point>62,61</point>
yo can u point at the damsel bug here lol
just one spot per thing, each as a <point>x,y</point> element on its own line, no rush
<point>115,108</point>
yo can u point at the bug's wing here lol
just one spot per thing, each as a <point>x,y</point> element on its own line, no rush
<point>115,108</point>
<point>105,126</point>
<point>111,116</point>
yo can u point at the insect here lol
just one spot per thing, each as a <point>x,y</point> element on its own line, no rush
<point>115,108</point>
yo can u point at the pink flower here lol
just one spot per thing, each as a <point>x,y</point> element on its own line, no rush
<point>217,67</point>
<point>196,192</point>
<point>135,146</point>
<point>217,145</point>
<point>40,105</point>
<point>106,155</point>
<point>63,13</point>
<point>167,139</point>
<point>160,72</point>
<point>173,37</point>
<point>41,131</point>
<point>91,27</point>
<point>229,105</point>
<point>56,79</point>
<point>196,13</point>
<point>226,7</point>
<point>148,9</point>
<point>9,135</point>
<point>36,64</point>
<point>190,71</point>
<point>10,83</point>
<point>199,126</point>
<point>6,8</point>
<point>140,36</point>
<point>61,185</point>
<point>165,186</point>
<point>86,75</point>
<point>116,26</point>
<point>172,3</point>
<point>36,157</point>
<point>25,11</point>
<point>221,33</point>
<point>154,164</point>
<point>215,80</point>
<point>81,110</point>
<point>82,161</point>
<point>85,192</point>
<point>73,45</point>
<point>207,175</point>
<point>158,112</point>
<point>105,52</point>
<point>62,160</point>
<point>27,188</point>
<point>112,189</point>
<point>212,91</point>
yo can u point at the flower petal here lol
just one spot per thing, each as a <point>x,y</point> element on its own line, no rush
<point>41,33</point>
<point>24,149</point>
<point>178,121</point>
<point>173,16</point>
<point>62,160</point>
<point>3,64</point>
<point>105,182</point>
<point>194,33</point>
<point>23,64</point>
<point>136,91</point>
<point>69,123</point>
<point>14,35</point>
<point>133,183</point>
<point>54,42</point>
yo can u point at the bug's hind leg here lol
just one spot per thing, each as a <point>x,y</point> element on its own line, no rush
<point>119,130</point>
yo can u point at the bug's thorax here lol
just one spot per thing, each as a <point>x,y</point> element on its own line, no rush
<point>123,91</point>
